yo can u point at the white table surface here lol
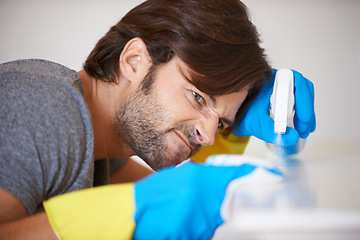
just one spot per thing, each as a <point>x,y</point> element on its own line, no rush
<point>326,203</point>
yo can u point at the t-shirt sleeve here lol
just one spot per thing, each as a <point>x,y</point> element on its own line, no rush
<point>44,147</point>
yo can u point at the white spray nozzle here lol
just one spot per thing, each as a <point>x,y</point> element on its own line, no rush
<point>282,100</point>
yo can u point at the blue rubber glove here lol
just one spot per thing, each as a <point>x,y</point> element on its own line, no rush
<point>183,202</point>
<point>258,123</point>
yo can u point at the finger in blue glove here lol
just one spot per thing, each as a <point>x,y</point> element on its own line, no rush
<point>304,119</point>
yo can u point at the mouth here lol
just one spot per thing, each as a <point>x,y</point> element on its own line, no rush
<point>182,138</point>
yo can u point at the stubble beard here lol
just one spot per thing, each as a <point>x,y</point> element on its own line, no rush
<point>136,123</point>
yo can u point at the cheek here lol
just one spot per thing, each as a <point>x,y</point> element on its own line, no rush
<point>177,106</point>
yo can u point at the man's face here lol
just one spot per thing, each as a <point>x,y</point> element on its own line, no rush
<point>171,120</point>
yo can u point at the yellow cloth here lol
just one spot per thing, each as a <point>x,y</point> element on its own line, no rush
<point>222,145</point>
<point>105,212</point>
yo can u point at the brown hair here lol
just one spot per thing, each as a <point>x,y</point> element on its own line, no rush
<point>215,39</point>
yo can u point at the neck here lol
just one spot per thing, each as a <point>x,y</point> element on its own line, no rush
<point>102,110</point>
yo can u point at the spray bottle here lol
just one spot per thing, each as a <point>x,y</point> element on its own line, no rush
<point>282,111</point>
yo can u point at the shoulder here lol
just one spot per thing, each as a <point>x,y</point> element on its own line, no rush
<point>45,132</point>
<point>43,90</point>
<point>39,67</point>
<point>42,95</point>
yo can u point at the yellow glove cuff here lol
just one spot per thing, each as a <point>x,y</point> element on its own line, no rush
<point>105,212</point>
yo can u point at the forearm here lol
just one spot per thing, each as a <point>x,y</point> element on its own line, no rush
<point>33,227</point>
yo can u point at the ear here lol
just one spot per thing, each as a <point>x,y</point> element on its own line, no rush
<point>134,60</point>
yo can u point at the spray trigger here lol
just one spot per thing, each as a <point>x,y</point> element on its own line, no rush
<point>282,101</point>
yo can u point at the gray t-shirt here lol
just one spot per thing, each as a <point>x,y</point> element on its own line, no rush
<point>46,135</point>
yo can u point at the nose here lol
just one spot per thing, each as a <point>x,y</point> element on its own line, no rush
<point>205,129</point>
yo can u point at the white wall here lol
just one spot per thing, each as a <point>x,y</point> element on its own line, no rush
<point>64,31</point>
<point>319,38</point>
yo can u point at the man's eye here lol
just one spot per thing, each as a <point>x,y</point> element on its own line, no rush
<point>198,98</point>
<point>220,125</point>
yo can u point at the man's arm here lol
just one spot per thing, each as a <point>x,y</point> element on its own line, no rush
<point>11,207</point>
<point>15,222</point>
<point>33,227</point>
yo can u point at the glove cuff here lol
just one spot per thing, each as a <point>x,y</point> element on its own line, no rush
<point>105,212</point>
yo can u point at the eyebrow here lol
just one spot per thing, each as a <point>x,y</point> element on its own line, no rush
<point>212,100</point>
<point>227,121</point>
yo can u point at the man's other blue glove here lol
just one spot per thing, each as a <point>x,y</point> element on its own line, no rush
<point>258,123</point>
<point>183,202</point>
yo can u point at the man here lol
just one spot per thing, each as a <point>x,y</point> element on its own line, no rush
<point>159,85</point>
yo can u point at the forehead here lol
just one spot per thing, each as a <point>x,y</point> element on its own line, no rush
<point>231,101</point>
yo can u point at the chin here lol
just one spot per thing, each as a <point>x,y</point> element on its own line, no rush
<point>173,153</point>
<point>171,159</point>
